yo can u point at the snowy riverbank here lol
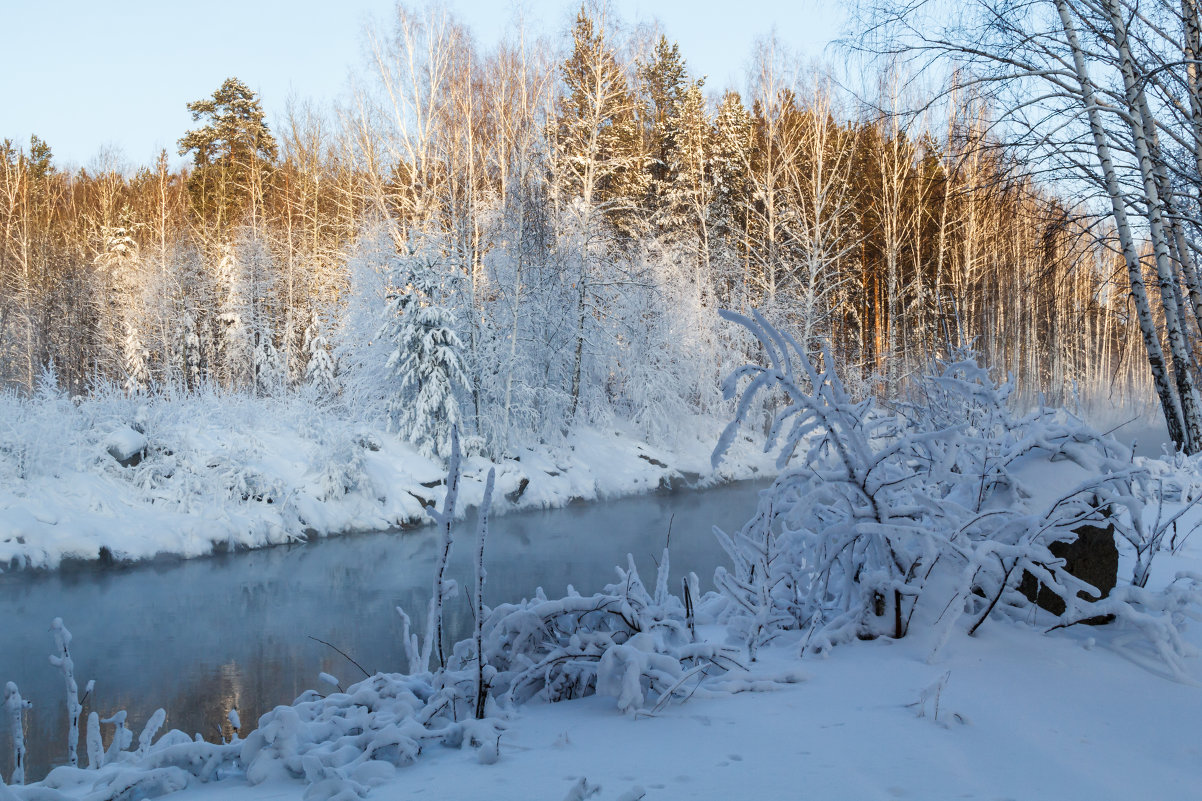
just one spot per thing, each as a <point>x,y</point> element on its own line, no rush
<point>792,679</point>
<point>1021,716</point>
<point>1085,713</point>
<point>214,473</point>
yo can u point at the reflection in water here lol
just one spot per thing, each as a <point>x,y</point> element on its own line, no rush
<point>199,637</point>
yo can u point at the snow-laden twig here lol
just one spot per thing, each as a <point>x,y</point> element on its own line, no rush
<point>122,736</point>
<point>94,744</point>
<point>446,521</point>
<point>481,689</point>
<point>63,661</point>
<point>15,706</point>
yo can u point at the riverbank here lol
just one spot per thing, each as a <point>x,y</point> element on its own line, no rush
<point>965,705</point>
<point>1021,716</point>
<point>115,479</point>
<point>1010,713</point>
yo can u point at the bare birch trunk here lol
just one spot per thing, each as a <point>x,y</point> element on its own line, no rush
<point>1138,122</point>
<point>1139,295</point>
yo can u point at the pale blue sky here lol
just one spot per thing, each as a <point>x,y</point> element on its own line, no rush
<point>82,74</point>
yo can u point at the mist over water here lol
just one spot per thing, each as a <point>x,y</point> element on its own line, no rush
<point>200,637</point>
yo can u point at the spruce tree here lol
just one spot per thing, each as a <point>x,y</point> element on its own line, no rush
<point>425,364</point>
<point>234,337</point>
<point>120,262</point>
<point>686,207</point>
<point>188,349</point>
<point>319,364</point>
<point>730,167</point>
<point>271,376</point>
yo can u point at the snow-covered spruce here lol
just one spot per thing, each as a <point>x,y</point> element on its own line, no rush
<point>945,503</point>
<point>320,370</point>
<point>425,362</point>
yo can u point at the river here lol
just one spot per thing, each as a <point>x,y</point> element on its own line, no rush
<point>202,636</point>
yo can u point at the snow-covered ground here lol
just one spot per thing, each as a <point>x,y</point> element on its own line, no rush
<point>1010,713</point>
<point>1021,716</point>
<point>118,479</point>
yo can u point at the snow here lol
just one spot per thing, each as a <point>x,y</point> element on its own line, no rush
<point>629,693</point>
<point>124,443</point>
<point>1011,712</point>
<point>224,472</point>
<point>1045,719</point>
<point>1022,715</point>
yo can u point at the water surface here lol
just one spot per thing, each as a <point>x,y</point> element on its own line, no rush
<point>200,637</point>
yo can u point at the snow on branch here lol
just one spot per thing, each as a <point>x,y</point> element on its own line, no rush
<point>936,509</point>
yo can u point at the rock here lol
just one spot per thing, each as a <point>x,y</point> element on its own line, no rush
<point>514,495</point>
<point>126,445</point>
<point>655,462</point>
<point>428,503</point>
<point>1093,557</point>
<point>368,441</point>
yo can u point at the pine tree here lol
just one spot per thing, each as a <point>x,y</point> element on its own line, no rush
<point>425,364</point>
<point>232,155</point>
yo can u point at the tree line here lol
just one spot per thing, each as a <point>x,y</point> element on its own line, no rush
<point>575,220</point>
<point>1105,95</point>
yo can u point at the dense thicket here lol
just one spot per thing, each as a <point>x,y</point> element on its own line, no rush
<point>584,217</point>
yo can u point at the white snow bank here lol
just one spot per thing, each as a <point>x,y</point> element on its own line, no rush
<point>221,472</point>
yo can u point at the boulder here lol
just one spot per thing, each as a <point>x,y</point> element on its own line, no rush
<point>126,445</point>
<point>1093,557</point>
<point>515,495</point>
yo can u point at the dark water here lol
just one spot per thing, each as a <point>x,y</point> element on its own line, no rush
<point>200,637</point>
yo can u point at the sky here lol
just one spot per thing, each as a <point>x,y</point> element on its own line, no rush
<point>86,75</point>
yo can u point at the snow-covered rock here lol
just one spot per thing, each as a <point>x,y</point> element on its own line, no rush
<point>126,445</point>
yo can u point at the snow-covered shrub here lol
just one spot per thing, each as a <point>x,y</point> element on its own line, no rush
<point>945,502</point>
<point>843,541</point>
<point>622,642</point>
<point>173,762</point>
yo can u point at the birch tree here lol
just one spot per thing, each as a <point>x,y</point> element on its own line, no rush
<point>1072,81</point>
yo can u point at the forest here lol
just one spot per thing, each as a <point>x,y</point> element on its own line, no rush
<point>890,300</point>
<point>559,232</point>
